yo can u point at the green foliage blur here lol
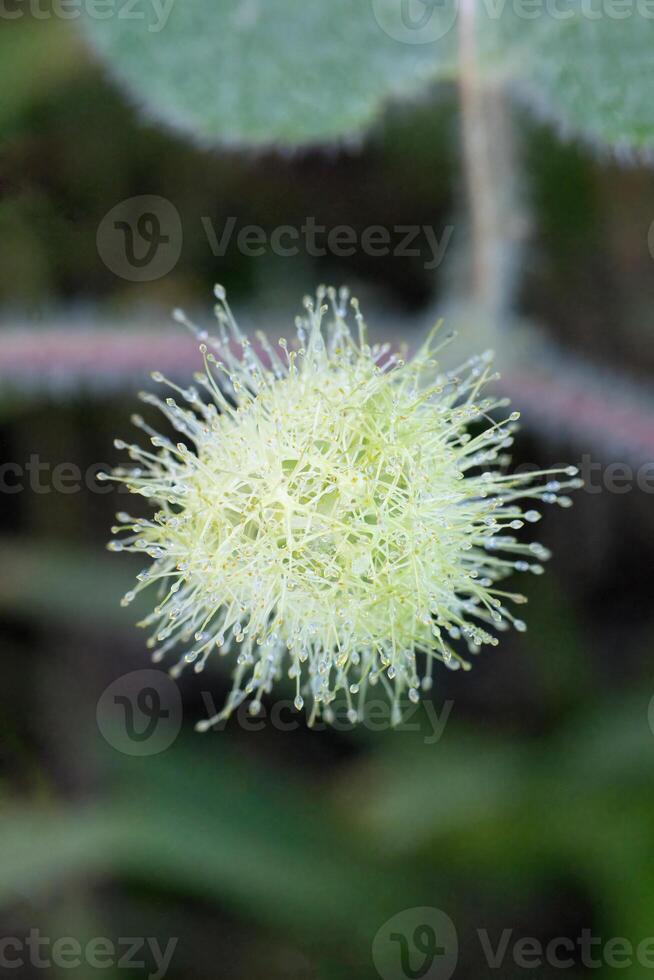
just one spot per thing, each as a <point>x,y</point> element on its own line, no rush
<point>524,799</point>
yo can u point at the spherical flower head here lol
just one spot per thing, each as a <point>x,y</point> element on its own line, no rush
<point>331,511</point>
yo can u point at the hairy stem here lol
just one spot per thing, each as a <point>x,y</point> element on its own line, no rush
<point>592,407</point>
<point>496,226</point>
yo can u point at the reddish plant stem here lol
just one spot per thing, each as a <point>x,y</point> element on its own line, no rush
<point>572,402</point>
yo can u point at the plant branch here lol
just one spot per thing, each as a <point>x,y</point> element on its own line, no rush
<point>495,224</point>
<point>562,396</point>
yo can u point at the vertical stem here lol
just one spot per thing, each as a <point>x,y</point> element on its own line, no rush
<point>491,184</point>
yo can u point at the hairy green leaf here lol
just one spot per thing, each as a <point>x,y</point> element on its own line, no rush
<point>585,68</point>
<point>255,72</point>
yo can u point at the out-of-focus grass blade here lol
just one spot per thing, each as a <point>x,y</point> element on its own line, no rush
<point>42,845</point>
<point>214,826</point>
<point>488,798</point>
<point>64,583</point>
<point>217,823</point>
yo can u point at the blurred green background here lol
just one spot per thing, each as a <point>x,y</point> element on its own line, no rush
<point>276,853</point>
